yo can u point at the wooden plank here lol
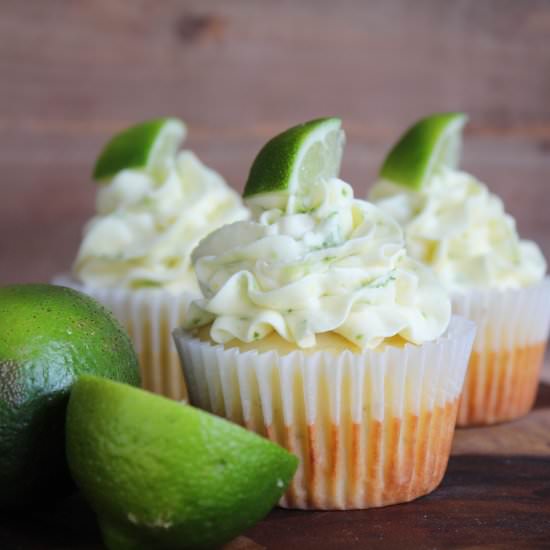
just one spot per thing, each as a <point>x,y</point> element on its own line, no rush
<point>239,72</point>
<point>72,73</point>
<point>259,65</point>
<point>545,373</point>
<point>529,435</point>
<point>45,203</point>
<point>482,501</point>
<point>475,506</point>
<point>496,492</point>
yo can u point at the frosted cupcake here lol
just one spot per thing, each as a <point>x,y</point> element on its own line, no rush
<point>317,330</point>
<point>453,223</point>
<point>154,204</point>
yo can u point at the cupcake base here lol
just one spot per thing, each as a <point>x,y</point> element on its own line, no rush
<point>500,385</point>
<point>508,352</point>
<point>376,463</point>
<point>370,429</point>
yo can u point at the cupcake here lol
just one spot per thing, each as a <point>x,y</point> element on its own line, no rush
<point>154,204</point>
<point>317,330</point>
<point>454,224</point>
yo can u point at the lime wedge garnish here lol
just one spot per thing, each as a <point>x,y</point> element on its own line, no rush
<point>148,145</point>
<point>301,156</point>
<point>426,147</point>
<point>161,474</point>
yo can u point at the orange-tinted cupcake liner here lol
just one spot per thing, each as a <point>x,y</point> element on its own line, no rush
<point>508,352</point>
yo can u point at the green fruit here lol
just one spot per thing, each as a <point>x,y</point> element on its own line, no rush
<point>296,159</point>
<point>164,475</point>
<point>149,145</point>
<point>48,336</point>
<point>429,145</point>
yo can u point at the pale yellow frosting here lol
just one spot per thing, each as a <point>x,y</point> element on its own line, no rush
<point>340,266</point>
<point>146,226</point>
<point>460,229</point>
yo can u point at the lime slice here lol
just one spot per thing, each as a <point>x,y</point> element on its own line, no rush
<point>429,145</point>
<point>147,145</point>
<point>299,157</point>
<point>160,474</point>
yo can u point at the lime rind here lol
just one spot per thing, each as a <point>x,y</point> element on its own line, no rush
<point>147,145</point>
<point>429,145</point>
<point>119,537</point>
<point>296,158</point>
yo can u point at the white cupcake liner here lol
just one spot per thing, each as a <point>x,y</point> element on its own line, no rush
<point>370,429</point>
<point>149,316</point>
<point>508,351</point>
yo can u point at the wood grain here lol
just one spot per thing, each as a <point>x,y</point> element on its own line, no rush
<point>72,73</point>
<point>529,435</point>
<point>475,507</point>
<point>496,493</point>
<point>483,502</point>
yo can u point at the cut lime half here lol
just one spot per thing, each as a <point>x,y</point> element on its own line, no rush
<point>291,162</point>
<point>147,145</point>
<point>429,145</point>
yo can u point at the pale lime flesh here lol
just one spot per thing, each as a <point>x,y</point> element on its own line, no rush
<point>297,158</point>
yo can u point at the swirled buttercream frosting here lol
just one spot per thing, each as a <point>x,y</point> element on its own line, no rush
<point>460,229</point>
<point>147,225</point>
<point>335,264</point>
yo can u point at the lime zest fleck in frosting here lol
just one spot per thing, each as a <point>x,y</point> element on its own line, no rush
<point>460,229</point>
<point>341,266</point>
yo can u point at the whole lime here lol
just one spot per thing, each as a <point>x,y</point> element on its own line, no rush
<point>49,335</point>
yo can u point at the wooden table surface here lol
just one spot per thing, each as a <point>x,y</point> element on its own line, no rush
<point>495,494</point>
<point>72,73</point>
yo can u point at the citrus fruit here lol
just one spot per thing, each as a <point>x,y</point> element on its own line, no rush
<point>148,145</point>
<point>48,336</point>
<point>427,146</point>
<point>164,475</point>
<point>292,161</point>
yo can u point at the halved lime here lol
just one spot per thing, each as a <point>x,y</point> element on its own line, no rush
<point>427,146</point>
<point>301,156</point>
<point>146,145</point>
<point>161,474</point>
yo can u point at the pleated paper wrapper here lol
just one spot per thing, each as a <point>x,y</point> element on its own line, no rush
<point>508,352</point>
<point>370,429</point>
<point>149,316</point>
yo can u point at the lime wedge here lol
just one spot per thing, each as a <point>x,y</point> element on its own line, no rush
<point>161,474</point>
<point>149,145</point>
<point>301,156</point>
<point>426,147</point>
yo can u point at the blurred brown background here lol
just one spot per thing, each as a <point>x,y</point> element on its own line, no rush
<point>72,73</point>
